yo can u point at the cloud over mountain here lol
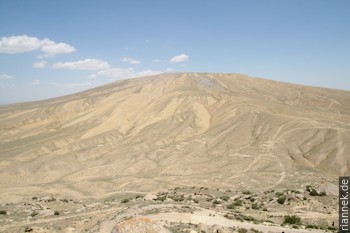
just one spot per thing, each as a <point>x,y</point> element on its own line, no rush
<point>179,58</point>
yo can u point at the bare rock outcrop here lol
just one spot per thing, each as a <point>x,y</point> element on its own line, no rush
<point>139,225</point>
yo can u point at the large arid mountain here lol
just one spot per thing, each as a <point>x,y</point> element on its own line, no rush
<point>192,129</point>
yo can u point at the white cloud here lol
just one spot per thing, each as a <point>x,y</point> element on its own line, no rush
<point>57,48</point>
<point>5,77</point>
<point>35,82</point>
<point>40,64</point>
<point>131,61</point>
<point>24,43</point>
<point>20,44</point>
<point>156,60</point>
<point>87,64</point>
<point>147,73</point>
<point>179,58</point>
<point>92,76</point>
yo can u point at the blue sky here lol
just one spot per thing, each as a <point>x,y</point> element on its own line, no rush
<point>53,48</point>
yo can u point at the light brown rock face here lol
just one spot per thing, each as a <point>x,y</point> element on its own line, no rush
<point>139,225</point>
<point>220,130</point>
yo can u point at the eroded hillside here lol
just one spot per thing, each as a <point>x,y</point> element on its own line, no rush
<point>139,135</point>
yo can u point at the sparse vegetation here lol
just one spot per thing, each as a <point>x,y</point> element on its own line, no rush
<point>255,206</point>
<point>281,199</point>
<point>126,200</point>
<point>292,219</point>
<point>161,198</point>
<point>225,198</point>
<point>34,213</point>
<point>28,229</point>
<point>242,230</point>
<point>216,202</point>
<point>56,212</point>
<point>138,196</point>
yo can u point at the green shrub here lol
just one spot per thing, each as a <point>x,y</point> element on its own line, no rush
<point>281,199</point>
<point>126,200</point>
<point>313,192</point>
<point>34,213</point>
<point>161,198</point>
<point>56,212</point>
<point>3,212</point>
<point>308,188</point>
<point>311,226</point>
<point>28,229</point>
<point>216,202</point>
<point>292,219</point>
<point>138,196</point>
<point>255,206</point>
<point>242,230</point>
<point>247,192</point>
<point>178,198</point>
<point>238,202</point>
<point>225,198</point>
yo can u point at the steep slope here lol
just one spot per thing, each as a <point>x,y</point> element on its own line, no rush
<point>218,130</point>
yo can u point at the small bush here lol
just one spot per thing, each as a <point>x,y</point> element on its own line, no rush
<point>292,219</point>
<point>216,202</point>
<point>247,192</point>
<point>3,212</point>
<point>178,198</point>
<point>225,198</point>
<point>56,212</point>
<point>231,206</point>
<point>242,230</point>
<point>311,226</point>
<point>238,202</point>
<point>313,192</point>
<point>33,214</point>
<point>126,200</point>
<point>255,206</point>
<point>281,199</point>
<point>139,196</point>
<point>161,198</point>
<point>28,229</point>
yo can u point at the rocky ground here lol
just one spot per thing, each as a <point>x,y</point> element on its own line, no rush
<point>182,209</point>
